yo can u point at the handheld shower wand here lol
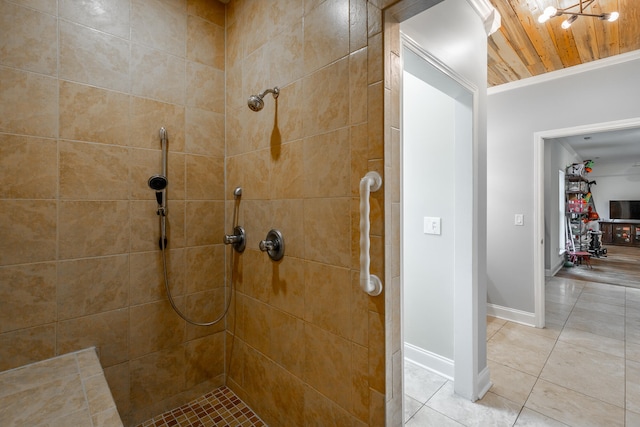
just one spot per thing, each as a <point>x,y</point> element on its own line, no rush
<point>159,183</point>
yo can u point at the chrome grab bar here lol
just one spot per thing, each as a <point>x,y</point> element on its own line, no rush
<point>370,283</point>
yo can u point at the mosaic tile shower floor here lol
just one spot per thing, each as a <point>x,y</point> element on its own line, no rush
<point>219,408</point>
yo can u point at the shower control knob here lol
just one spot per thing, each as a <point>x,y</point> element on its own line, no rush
<point>237,239</point>
<point>273,245</point>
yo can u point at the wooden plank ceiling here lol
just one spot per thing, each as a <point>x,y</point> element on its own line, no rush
<point>523,47</point>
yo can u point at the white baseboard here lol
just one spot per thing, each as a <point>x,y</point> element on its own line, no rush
<point>484,382</point>
<point>431,361</point>
<point>552,272</point>
<point>511,314</point>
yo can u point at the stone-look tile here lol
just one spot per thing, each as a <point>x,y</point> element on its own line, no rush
<point>427,417</point>
<point>145,163</point>
<point>557,313</point>
<point>47,6</point>
<point>118,380</point>
<point>156,377</point>
<point>90,286</point>
<point>510,383</point>
<point>145,226</point>
<point>605,324</point>
<point>204,133</point>
<point>28,39</point>
<point>206,307</point>
<point>92,228</point>
<point>111,17</point>
<point>374,20</point>
<point>328,88</point>
<point>94,115</point>
<point>34,375</point>
<point>148,116</point>
<point>28,231</point>
<point>205,178</point>
<point>28,103</point>
<point>332,376</point>
<point>328,298</point>
<point>93,171</point>
<point>250,171</point>
<point>290,112</point>
<point>358,89</point>
<point>287,286</point>
<point>204,359</point>
<point>205,87</point>
<point>88,363</point>
<point>288,218</point>
<point>326,34</point>
<point>357,24</point>
<point>205,42</point>
<point>632,418</point>
<point>254,275</point>
<point>93,57</point>
<point>571,407</point>
<point>632,380</point>
<point>317,407</point>
<point>283,56</point>
<point>157,75</point>
<point>375,120</point>
<point>27,293</point>
<point>550,332</point>
<point>288,174</point>
<point>601,307</point>
<point>603,290</point>
<point>411,407</point>
<point>377,408</point>
<point>108,332</point>
<point>420,384</point>
<point>327,164</point>
<point>361,397</point>
<point>376,58</point>
<point>213,12</point>
<point>108,418</point>
<point>323,219</point>
<point>256,317</point>
<point>98,394</point>
<point>41,403</point>
<point>80,418</point>
<point>594,342</point>
<point>160,25</point>
<point>525,352</point>
<point>529,418</point>
<point>204,268</point>
<point>205,222</point>
<point>147,278</point>
<point>18,151</point>
<point>154,326</point>
<point>491,410</point>
<point>632,351</point>
<point>493,325</point>
<point>267,20</point>
<point>25,346</point>
<point>287,342</point>
<point>377,364</point>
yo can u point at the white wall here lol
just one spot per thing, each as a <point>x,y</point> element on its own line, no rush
<point>428,190</point>
<point>614,182</point>
<point>594,96</point>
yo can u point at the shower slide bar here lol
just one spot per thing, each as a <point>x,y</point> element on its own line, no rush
<point>370,283</point>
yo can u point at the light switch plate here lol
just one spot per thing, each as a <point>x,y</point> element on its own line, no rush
<point>519,219</point>
<point>432,225</point>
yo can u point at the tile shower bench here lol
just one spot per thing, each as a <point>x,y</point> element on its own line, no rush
<point>68,390</point>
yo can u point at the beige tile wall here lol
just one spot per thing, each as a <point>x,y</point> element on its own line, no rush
<point>305,345</point>
<point>83,92</point>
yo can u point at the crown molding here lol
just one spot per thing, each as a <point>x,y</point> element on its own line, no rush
<point>565,72</point>
<point>489,15</point>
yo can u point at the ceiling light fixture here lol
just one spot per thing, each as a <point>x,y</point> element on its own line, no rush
<point>580,7</point>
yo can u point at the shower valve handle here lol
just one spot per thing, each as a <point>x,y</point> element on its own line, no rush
<point>237,239</point>
<point>273,245</point>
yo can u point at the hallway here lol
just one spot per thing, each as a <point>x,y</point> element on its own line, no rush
<point>582,370</point>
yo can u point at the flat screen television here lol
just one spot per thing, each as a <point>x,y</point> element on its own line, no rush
<point>624,209</point>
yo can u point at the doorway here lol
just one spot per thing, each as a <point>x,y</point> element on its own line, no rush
<point>437,211</point>
<point>539,141</point>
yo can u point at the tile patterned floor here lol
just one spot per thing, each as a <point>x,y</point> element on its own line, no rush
<point>220,408</point>
<point>582,370</point>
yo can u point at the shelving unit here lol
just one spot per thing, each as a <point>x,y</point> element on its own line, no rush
<point>576,210</point>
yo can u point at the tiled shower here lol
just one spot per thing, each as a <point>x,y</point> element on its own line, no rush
<point>84,88</point>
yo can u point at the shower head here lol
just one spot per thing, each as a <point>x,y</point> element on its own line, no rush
<point>158,182</point>
<point>256,102</point>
